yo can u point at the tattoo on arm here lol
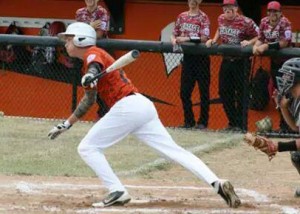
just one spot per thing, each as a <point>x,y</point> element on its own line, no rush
<point>85,103</point>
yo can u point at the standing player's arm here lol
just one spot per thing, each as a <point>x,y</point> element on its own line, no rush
<point>288,118</point>
<point>100,33</point>
<point>253,41</point>
<point>283,43</point>
<point>286,113</point>
<point>213,41</point>
<point>258,43</point>
<point>245,43</point>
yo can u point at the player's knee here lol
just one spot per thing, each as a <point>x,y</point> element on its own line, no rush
<point>83,149</point>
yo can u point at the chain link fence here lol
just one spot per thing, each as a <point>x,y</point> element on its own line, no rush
<point>219,87</point>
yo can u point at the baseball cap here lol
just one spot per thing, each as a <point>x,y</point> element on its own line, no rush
<point>274,5</point>
<point>229,2</point>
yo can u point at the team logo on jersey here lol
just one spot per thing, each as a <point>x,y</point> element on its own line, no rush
<point>288,34</point>
<point>90,58</point>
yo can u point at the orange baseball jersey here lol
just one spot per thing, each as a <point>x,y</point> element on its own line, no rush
<point>114,85</point>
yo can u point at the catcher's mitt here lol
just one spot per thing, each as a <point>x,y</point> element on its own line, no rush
<point>263,144</point>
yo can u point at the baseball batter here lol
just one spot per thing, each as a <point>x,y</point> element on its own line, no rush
<point>288,99</point>
<point>130,113</point>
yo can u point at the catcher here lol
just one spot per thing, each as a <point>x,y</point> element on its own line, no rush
<point>287,99</point>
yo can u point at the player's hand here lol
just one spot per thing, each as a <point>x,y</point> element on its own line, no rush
<point>245,43</point>
<point>173,41</point>
<point>58,129</point>
<point>254,50</point>
<point>284,102</point>
<point>261,49</point>
<point>276,97</point>
<point>209,43</point>
<point>281,101</point>
<point>85,81</point>
<point>181,39</point>
<point>96,24</point>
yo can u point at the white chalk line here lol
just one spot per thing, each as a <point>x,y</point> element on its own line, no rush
<point>161,161</point>
<point>32,188</point>
<point>155,210</point>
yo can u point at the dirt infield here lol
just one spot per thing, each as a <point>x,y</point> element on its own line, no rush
<point>263,186</point>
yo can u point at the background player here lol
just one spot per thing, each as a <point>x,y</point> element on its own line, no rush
<point>95,15</point>
<point>288,99</point>
<point>234,29</point>
<point>193,26</point>
<point>130,113</point>
<point>274,33</point>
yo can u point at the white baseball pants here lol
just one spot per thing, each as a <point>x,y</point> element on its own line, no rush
<point>134,114</point>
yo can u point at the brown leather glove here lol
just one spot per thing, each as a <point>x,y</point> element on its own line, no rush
<point>263,144</point>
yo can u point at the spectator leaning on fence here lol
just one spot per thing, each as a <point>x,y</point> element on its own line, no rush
<point>193,26</point>
<point>274,33</point>
<point>234,29</point>
<point>96,16</point>
<point>130,113</point>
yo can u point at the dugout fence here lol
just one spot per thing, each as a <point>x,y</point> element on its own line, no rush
<point>38,79</point>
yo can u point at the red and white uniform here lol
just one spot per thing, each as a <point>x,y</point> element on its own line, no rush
<point>234,31</point>
<point>282,31</point>
<point>129,114</point>
<point>195,25</point>
<point>83,15</point>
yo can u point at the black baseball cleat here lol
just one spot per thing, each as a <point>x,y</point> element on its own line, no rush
<point>117,198</point>
<point>226,191</point>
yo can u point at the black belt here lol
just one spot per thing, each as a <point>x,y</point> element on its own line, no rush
<point>131,93</point>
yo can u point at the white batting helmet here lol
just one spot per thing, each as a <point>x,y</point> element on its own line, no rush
<point>84,34</point>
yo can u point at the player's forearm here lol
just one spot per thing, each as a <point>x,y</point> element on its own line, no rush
<point>216,36</point>
<point>289,119</point>
<point>258,43</point>
<point>85,104</point>
<point>100,33</point>
<point>253,41</point>
<point>283,43</point>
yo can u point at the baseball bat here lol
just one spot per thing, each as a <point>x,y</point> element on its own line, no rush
<point>119,63</point>
<point>278,135</point>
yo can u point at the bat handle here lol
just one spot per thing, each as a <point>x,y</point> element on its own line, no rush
<point>97,76</point>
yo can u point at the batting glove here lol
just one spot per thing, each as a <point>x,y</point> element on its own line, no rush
<point>60,128</point>
<point>85,81</point>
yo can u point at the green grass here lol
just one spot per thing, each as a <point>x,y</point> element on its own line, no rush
<point>26,150</point>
